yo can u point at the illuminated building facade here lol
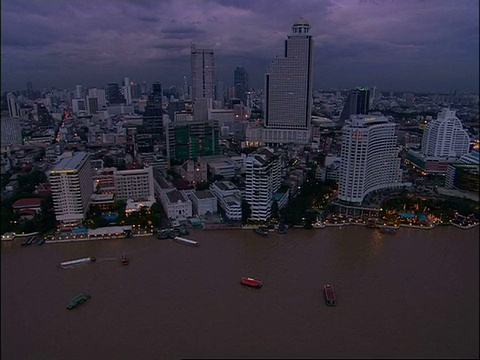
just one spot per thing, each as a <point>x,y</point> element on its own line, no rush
<point>369,158</point>
<point>72,186</point>
<point>445,137</point>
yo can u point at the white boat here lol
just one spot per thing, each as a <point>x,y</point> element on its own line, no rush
<point>319,225</point>
<point>78,261</point>
<point>185,241</point>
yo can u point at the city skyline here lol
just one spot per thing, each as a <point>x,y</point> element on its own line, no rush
<point>411,45</point>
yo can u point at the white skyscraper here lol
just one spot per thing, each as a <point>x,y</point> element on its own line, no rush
<point>288,90</point>
<point>203,73</point>
<point>78,92</point>
<point>13,107</point>
<point>262,181</point>
<point>369,158</point>
<point>445,137</point>
<point>127,91</point>
<point>72,186</point>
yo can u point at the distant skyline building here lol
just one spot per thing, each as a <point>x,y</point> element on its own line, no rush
<point>203,73</point>
<point>241,83</point>
<point>114,95</point>
<point>127,91</point>
<point>445,137</point>
<point>100,95</point>
<point>288,90</point>
<point>357,103</point>
<point>369,158</point>
<point>72,186</point>
<point>13,106</point>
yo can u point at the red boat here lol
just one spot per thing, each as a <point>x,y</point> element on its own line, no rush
<point>329,295</point>
<point>124,259</point>
<point>251,282</point>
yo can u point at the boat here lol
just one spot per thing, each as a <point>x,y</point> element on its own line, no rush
<point>184,241</point>
<point>165,233</point>
<point>282,228</point>
<point>28,241</point>
<point>125,259</point>
<point>319,225</point>
<point>78,261</point>
<point>77,300</point>
<point>388,230</point>
<point>329,295</point>
<point>261,231</point>
<point>248,281</point>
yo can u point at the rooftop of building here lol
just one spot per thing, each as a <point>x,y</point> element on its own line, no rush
<point>71,163</point>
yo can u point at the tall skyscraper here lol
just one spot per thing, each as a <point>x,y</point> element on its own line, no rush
<point>357,103</point>
<point>185,88</point>
<point>445,136</point>
<point>203,73</point>
<point>369,158</point>
<point>288,90</point>
<point>127,91</point>
<point>13,106</point>
<point>241,83</point>
<point>72,186</point>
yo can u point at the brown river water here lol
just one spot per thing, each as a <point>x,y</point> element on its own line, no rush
<point>414,294</point>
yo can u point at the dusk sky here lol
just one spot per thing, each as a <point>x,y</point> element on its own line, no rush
<point>405,45</point>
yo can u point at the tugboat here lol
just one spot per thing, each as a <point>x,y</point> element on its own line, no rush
<point>125,259</point>
<point>329,295</point>
<point>251,282</point>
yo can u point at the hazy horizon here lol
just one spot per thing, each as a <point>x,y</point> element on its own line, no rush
<point>429,46</point>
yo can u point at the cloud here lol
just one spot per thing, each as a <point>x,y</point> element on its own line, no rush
<point>355,40</point>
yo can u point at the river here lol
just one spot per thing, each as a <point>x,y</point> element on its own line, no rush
<point>414,294</point>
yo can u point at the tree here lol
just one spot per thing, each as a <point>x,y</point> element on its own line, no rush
<point>275,209</point>
<point>246,211</point>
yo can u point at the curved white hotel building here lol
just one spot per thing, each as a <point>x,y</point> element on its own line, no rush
<point>369,158</point>
<point>445,136</point>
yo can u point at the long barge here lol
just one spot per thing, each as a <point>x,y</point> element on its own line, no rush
<point>78,261</point>
<point>184,241</point>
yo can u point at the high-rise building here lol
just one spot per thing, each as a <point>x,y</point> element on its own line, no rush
<point>78,92</point>
<point>369,158</point>
<point>127,91</point>
<point>241,83</point>
<point>445,137</point>
<point>185,88</point>
<point>357,103</point>
<point>13,106</point>
<point>11,132</point>
<point>72,186</point>
<point>262,181</point>
<point>99,94</point>
<point>192,139</point>
<point>288,90</point>
<point>114,95</point>
<point>203,73</point>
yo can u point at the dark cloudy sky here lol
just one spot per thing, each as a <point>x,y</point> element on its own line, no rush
<point>406,45</point>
